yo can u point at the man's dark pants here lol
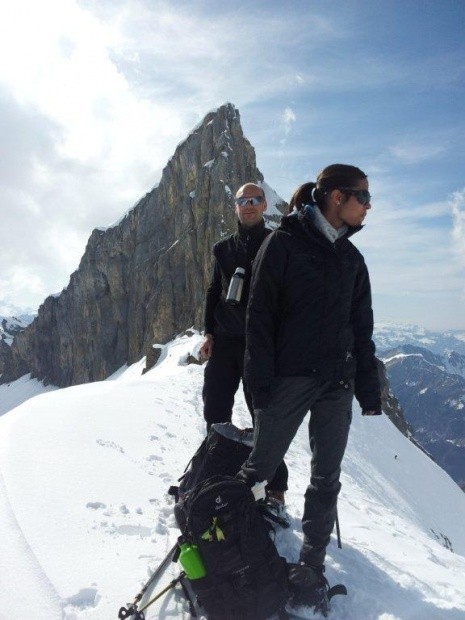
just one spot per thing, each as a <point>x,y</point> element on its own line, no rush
<point>223,374</point>
<point>331,414</point>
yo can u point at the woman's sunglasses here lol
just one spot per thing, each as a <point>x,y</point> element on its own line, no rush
<point>362,195</point>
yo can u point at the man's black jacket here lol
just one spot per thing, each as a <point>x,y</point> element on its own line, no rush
<point>309,313</point>
<point>238,250</point>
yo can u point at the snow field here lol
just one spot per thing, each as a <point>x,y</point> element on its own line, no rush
<point>85,517</point>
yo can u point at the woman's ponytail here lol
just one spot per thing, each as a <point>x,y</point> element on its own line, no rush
<point>305,194</point>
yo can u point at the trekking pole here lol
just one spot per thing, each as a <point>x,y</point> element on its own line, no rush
<point>192,610</point>
<point>131,610</point>
<point>164,591</point>
<point>138,614</point>
<point>338,532</point>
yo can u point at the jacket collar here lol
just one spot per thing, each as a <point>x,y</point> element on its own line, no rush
<point>305,226</point>
<point>251,231</point>
<point>331,233</point>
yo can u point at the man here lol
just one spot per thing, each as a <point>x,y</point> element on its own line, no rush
<point>224,343</point>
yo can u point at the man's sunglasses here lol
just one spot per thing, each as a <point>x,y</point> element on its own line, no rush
<point>254,201</point>
<point>362,195</point>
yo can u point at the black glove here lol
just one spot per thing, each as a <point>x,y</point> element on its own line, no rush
<point>372,412</point>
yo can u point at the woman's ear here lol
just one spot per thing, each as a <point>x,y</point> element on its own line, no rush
<point>336,197</point>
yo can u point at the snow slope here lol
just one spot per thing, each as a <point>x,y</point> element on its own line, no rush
<point>84,515</point>
<point>17,392</point>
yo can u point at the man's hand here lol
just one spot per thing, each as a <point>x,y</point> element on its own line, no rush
<point>207,347</point>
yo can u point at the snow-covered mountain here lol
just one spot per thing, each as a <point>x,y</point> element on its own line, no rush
<point>84,515</point>
<point>426,372</point>
<point>11,325</point>
<point>276,206</point>
<point>433,402</point>
<point>391,335</point>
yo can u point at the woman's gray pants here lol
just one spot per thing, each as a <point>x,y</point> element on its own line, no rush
<point>330,405</point>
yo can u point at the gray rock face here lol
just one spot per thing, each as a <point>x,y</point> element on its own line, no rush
<point>144,279</point>
<point>9,327</point>
<point>5,356</point>
<point>390,404</point>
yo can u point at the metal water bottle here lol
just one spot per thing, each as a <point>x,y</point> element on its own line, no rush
<point>191,561</point>
<point>235,287</point>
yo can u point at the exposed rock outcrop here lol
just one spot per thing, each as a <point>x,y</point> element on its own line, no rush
<point>10,327</point>
<point>390,404</point>
<point>144,279</point>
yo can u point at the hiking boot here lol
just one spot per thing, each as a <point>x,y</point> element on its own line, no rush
<point>274,511</point>
<point>309,587</point>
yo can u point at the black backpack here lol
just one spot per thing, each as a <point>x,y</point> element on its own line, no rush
<point>222,452</point>
<point>246,579</point>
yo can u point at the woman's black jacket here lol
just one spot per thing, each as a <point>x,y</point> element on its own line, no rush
<point>309,313</point>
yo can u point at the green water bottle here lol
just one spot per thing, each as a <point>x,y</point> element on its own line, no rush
<point>190,560</point>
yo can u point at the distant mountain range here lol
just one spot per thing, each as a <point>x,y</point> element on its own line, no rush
<point>11,325</point>
<point>390,335</point>
<point>426,372</point>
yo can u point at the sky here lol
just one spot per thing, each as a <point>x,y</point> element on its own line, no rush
<point>96,95</point>
<point>81,544</point>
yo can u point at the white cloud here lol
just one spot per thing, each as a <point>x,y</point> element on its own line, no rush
<point>457,206</point>
<point>61,64</point>
<point>288,118</point>
<point>413,153</point>
<point>408,249</point>
<point>23,282</point>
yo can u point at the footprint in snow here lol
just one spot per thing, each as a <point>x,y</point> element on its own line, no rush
<point>110,444</point>
<point>85,598</point>
<point>95,505</point>
<point>166,511</point>
<point>154,457</point>
<point>161,528</point>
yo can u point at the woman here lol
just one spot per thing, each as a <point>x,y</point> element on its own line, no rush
<point>309,347</point>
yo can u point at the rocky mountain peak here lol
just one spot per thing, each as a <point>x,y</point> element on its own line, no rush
<point>143,280</point>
